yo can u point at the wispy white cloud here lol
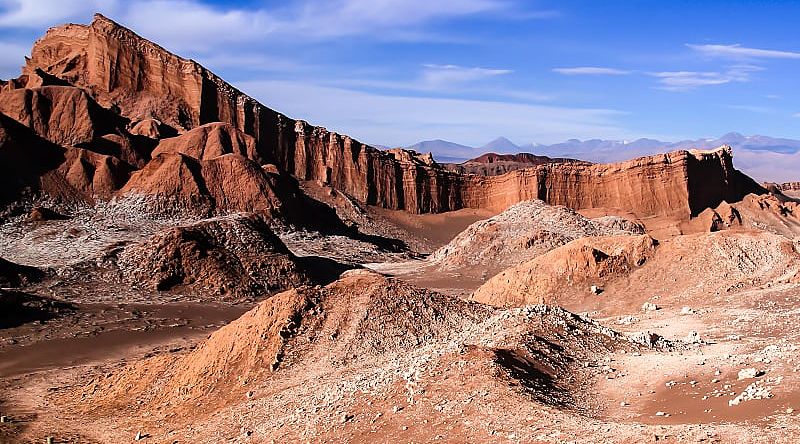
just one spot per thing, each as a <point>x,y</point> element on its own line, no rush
<point>435,76</point>
<point>796,115</point>
<point>687,80</point>
<point>591,70</point>
<point>192,23</point>
<point>403,120</point>
<point>738,51</point>
<point>43,13</point>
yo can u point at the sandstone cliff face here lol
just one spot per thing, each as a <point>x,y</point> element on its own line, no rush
<point>143,81</point>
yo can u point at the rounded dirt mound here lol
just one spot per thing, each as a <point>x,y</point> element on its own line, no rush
<point>583,262</point>
<point>230,257</point>
<point>632,270</point>
<point>522,232</point>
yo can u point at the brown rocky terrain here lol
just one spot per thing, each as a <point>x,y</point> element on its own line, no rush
<point>520,233</point>
<point>229,257</point>
<point>491,164</point>
<point>181,263</point>
<point>629,268</point>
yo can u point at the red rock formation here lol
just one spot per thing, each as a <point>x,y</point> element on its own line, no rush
<point>30,165</point>
<point>227,183</point>
<point>236,256</point>
<point>491,164</point>
<point>209,141</point>
<point>68,116</point>
<point>142,80</point>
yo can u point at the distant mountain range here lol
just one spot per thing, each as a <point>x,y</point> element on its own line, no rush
<point>764,158</point>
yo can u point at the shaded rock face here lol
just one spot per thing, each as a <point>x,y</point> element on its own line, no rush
<point>124,72</point>
<point>226,183</point>
<point>209,141</point>
<point>70,117</point>
<point>19,308</point>
<point>522,232</point>
<point>30,165</point>
<point>230,257</point>
<point>15,275</point>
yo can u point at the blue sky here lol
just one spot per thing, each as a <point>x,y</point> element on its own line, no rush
<point>395,72</point>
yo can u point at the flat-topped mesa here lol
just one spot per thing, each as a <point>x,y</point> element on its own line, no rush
<point>141,80</point>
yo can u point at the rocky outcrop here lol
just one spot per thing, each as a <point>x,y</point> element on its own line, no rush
<point>227,183</point>
<point>143,81</point>
<point>209,141</point>
<point>226,257</point>
<point>30,165</point>
<point>491,164</point>
<point>70,117</point>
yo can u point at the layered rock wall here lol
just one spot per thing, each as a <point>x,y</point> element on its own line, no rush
<point>141,80</point>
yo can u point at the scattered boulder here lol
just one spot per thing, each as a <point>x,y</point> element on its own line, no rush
<point>749,373</point>
<point>649,306</point>
<point>693,338</point>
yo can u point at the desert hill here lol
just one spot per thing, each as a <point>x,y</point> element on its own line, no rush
<point>522,232</point>
<point>322,346</point>
<point>632,270</point>
<point>229,257</point>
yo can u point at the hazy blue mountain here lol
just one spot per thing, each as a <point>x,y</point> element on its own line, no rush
<point>763,157</point>
<point>501,145</point>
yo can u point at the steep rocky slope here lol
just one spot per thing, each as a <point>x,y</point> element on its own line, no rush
<point>30,165</point>
<point>226,183</point>
<point>209,141</point>
<point>520,233</point>
<point>144,81</point>
<point>69,116</point>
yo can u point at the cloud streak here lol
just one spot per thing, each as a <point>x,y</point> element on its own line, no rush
<point>435,76</point>
<point>679,81</point>
<point>402,120</point>
<point>738,51</point>
<point>592,71</point>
